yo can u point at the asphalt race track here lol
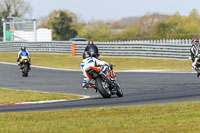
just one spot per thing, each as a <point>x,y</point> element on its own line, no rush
<point>138,87</point>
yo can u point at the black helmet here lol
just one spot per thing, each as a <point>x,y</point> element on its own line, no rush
<point>90,43</point>
<point>23,48</point>
<point>86,54</point>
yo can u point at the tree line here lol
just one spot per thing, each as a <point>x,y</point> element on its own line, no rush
<point>66,25</point>
<point>149,27</point>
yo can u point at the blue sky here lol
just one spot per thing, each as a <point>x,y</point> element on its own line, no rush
<point>113,9</point>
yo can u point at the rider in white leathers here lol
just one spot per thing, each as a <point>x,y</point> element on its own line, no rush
<point>88,61</point>
<point>195,55</point>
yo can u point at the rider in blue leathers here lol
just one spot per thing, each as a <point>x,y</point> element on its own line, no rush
<point>23,52</point>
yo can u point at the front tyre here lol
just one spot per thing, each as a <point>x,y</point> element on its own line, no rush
<point>102,88</point>
<point>119,90</point>
<point>25,72</point>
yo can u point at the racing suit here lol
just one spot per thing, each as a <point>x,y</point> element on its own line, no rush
<point>195,57</point>
<point>22,53</point>
<point>88,62</point>
<point>193,52</point>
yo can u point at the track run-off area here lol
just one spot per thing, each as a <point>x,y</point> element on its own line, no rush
<point>138,87</point>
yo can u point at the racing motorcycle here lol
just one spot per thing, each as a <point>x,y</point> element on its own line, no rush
<point>105,82</point>
<point>25,65</point>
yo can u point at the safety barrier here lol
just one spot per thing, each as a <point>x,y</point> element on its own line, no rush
<point>167,49</point>
<point>38,47</point>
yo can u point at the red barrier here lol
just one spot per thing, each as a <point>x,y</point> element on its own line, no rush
<point>73,49</point>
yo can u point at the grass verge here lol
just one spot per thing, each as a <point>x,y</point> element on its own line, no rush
<point>165,118</point>
<point>69,62</point>
<point>9,96</point>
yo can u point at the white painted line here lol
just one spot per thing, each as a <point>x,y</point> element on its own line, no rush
<point>154,71</point>
<point>53,101</point>
<point>6,63</point>
<point>141,70</point>
<point>40,102</point>
<point>46,101</point>
<point>54,68</point>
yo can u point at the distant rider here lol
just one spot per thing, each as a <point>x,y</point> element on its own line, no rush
<point>90,59</point>
<point>195,55</point>
<point>92,48</point>
<point>23,52</point>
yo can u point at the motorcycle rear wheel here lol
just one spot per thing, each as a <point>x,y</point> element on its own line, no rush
<point>104,91</point>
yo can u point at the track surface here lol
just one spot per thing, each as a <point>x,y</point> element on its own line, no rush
<point>138,87</point>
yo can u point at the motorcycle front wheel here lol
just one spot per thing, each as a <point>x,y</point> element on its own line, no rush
<point>119,90</point>
<point>25,71</point>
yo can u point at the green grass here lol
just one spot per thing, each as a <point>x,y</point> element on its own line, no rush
<point>9,96</point>
<point>163,118</point>
<point>150,64</point>
<point>69,62</point>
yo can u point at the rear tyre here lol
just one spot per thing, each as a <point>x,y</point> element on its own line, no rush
<point>101,87</point>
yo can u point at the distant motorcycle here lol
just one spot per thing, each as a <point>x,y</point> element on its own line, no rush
<point>105,82</point>
<point>25,65</point>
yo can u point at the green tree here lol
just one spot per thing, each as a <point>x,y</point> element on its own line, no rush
<point>63,23</point>
<point>62,27</point>
<point>96,31</point>
<point>194,14</point>
<point>131,33</point>
<point>185,27</point>
<point>46,22</point>
<point>15,8</point>
<point>162,31</point>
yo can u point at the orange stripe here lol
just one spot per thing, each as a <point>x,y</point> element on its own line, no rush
<point>95,68</point>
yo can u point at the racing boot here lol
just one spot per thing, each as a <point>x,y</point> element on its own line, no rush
<point>20,67</point>
<point>85,87</point>
<point>90,85</point>
<point>197,69</point>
